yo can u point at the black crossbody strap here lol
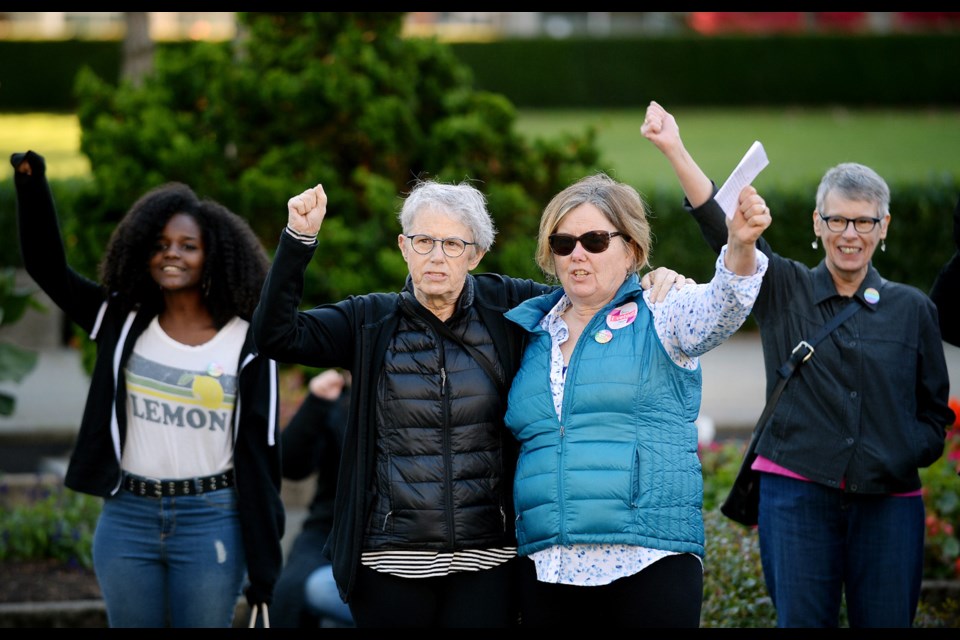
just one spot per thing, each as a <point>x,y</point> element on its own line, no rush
<point>742,503</point>
<point>804,349</point>
<point>801,353</point>
<point>442,328</point>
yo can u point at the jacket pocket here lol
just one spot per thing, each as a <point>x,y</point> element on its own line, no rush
<point>635,480</point>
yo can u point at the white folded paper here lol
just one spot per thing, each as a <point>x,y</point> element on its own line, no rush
<point>749,168</point>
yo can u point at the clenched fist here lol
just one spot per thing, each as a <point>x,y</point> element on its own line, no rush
<point>305,212</point>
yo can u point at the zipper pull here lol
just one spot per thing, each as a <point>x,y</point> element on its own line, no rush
<point>443,380</point>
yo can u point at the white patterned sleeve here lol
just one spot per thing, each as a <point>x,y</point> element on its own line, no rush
<point>697,318</point>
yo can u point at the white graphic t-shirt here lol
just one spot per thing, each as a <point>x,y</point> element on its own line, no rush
<point>180,401</point>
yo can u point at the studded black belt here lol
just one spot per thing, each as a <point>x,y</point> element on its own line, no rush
<point>153,488</point>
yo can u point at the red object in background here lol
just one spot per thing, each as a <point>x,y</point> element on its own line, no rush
<point>721,22</point>
<point>714,22</point>
<point>841,20</point>
<point>929,20</point>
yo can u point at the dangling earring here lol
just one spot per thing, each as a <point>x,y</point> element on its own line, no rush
<point>206,287</point>
<point>883,245</point>
<point>814,245</point>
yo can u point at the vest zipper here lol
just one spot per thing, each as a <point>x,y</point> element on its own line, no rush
<point>445,430</point>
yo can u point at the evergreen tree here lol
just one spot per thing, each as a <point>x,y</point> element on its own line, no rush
<point>337,98</point>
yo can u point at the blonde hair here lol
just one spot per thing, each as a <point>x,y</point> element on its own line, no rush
<point>622,205</point>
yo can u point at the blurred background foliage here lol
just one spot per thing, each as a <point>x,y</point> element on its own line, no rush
<point>333,98</point>
<point>345,100</point>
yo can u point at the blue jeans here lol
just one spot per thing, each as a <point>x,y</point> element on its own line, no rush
<point>175,561</point>
<point>323,598</point>
<point>819,544</point>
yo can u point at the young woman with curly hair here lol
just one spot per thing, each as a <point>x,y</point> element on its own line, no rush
<point>179,430</point>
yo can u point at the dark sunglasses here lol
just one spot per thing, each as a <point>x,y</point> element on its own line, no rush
<point>563,244</point>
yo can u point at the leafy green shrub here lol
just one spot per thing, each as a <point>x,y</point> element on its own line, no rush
<point>941,496</point>
<point>937,613</point>
<point>734,592</point>
<point>15,362</point>
<point>720,463</point>
<point>48,521</point>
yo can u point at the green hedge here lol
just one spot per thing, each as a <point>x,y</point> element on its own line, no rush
<point>853,70</point>
<point>39,75</point>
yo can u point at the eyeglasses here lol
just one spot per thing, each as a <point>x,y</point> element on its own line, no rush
<point>563,244</point>
<point>452,247</point>
<point>839,224</point>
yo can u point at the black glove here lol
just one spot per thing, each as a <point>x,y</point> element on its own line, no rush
<point>256,596</point>
<point>38,166</point>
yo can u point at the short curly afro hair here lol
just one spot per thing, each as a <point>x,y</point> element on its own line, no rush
<point>235,262</point>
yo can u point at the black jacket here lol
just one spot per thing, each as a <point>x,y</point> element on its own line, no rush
<point>312,441</point>
<point>95,461</point>
<point>353,334</point>
<point>870,406</point>
<point>946,289</point>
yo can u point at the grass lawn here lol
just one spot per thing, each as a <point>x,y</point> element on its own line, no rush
<point>801,144</point>
<point>54,136</point>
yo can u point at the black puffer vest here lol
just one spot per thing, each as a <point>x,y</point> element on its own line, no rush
<point>439,477</point>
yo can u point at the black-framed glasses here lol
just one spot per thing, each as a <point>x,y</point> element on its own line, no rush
<point>563,244</point>
<point>452,247</point>
<point>839,224</point>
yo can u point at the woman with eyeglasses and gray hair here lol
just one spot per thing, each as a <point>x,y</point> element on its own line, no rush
<point>841,514</point>
<point>608,488</point>
<point>423,530</point>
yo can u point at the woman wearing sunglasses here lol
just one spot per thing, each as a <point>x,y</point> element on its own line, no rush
<point>608,489</point>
